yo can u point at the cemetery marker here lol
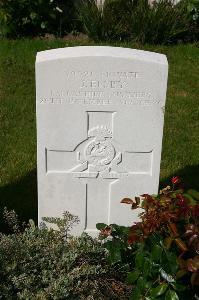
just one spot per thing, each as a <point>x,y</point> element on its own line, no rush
<point>99,131</point>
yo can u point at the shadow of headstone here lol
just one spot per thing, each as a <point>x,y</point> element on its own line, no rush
<point>20,196</point>
<point>189,177</point>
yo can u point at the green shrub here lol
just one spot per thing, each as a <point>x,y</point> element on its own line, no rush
<point>91,17</point>
<point>193,10</point>
<point>107,22</point>
<point>159,23</point>
<point>162,250</point>
<point>50,264</point>
<point>33,17</point>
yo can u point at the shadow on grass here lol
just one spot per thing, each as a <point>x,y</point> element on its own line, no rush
<point>189,177</point>
<point>20,196</point>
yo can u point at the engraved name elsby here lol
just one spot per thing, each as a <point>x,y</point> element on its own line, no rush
<point>104,84</point>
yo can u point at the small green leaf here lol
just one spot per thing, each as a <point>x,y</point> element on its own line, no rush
<point>132,276</point>
<point>141,283</point>
<point>147,267</point>
<point>194,194</point>
<point>191,199</point>
<point>169,262</point>
<point>136,295</point>
<point>120,230</point>
<point>166,276</point>
<point>139,260</point>
<point>178,287</point>
<point>159,290</point>
<point>100,226</point>
<point>156,253</point>
<point>114,249</point>
<point>171,295</point>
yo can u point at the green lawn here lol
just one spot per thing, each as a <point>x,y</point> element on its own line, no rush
<point>180,154</point>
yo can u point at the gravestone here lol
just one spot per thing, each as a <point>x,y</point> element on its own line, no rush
<point>100,115</point>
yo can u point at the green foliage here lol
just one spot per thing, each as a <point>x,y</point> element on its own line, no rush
<point>150,267</point>
<point>162,22</point>
<point>42,263</point>
<point>160,252</point>
<point>117,245</point>
<point>34,17</point>
<point>193,8</point>
<point>92,18</point>
<point>159,23</point>
<point>108,22</point>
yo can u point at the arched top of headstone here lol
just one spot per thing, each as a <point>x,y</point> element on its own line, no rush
<point>100,51</point>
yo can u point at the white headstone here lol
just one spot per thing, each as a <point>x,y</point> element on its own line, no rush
<point>100,115</point>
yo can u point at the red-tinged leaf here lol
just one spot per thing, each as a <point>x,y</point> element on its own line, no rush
<point>167,242</point>
<point>182,263</point>
<point>175,180</point>
<point>134,206</point>
<point>196,260</point>
<point>190,227</point>
<point>192,239</point>
<point>191,266</point>
<point>128,201</point>
<point>195,279</point>
<point>188,232</point>
<point>105,232</point>
<point>173,229</point>
<point>181,245</point>
<point>148,197</point>
<point>132,238</point>
<point>137,200</point>
<point>195,211</point>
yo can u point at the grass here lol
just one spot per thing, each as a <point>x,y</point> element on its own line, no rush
<point>180,155</point>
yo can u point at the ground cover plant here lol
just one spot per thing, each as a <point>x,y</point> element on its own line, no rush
<point>155,258</point>
<point>180,152</point>
<point>50,264</point>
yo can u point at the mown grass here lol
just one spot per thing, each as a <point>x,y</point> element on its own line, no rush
<point>180,153</point>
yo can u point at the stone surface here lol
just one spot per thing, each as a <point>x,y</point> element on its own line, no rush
<point>100,115</point>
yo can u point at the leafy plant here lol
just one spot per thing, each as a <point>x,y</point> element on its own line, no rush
<point>161,252</point>
<point>91,17</point>
<point>193,11</point>
<point>35,17</point>
<point>159,22</point>
<point>42,263</point>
